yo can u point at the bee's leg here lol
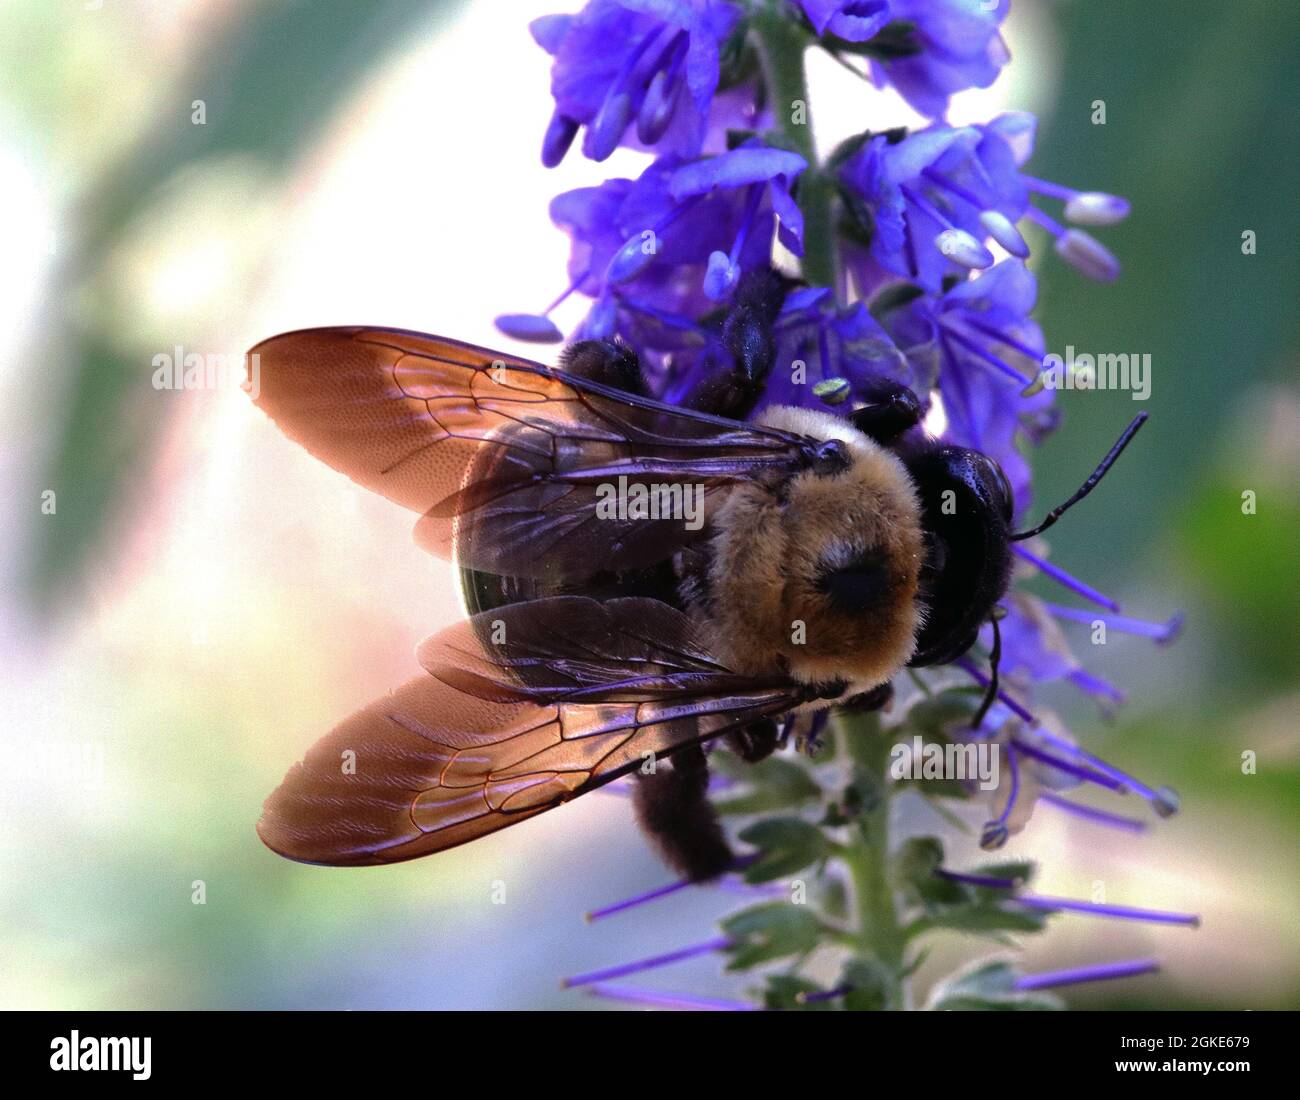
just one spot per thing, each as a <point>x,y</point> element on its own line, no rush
<point>756,741</point>
<point>809,729</point>
<point>890,410</point>
<point>729,393</point>
<point>607,362</point>
<point>878,698</point>
<point>732,390</point>
<point>673,808</point>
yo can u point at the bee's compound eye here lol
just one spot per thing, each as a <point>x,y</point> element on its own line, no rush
<point>995,483</point>
<point>1007,502</point>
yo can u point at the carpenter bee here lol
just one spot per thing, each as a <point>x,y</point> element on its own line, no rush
<point>831,552</point>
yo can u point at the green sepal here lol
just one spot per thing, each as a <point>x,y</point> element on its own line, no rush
<point>988,985</point>
<point>785,845</point>
<point>771,930</point>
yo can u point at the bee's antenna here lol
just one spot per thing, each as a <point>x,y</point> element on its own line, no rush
<point>1089,485</point>
<point>995,658</point>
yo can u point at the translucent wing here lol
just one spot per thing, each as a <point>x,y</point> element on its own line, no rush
<point>508,460</point>
<point>523,708</point>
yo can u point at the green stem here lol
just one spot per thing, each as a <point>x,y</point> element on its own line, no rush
<point>879,935</point>
<point>782,45</point>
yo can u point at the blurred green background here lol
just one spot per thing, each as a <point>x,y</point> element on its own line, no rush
<point>204,600</point>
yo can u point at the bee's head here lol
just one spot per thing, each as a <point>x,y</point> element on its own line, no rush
<point>966,508</point>
<point>822,575</point>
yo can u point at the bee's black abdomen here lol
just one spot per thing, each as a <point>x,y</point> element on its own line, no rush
<point>487,591</point>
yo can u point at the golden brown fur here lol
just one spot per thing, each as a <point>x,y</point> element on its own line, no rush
<point>776,540</point>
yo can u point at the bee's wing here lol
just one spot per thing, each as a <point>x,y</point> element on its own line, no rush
<point>523,708</point>
<point>505,458</point>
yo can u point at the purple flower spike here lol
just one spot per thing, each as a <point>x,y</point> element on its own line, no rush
<point>1089,813</point>
<point>1161,633</point>
<point>1080,974</point>
<point>639,899</point>
<point>660,891</point>
<point>708,946</point>
<point>1117,912</point>
<point>1062,577</point>
<point>1076,770</point>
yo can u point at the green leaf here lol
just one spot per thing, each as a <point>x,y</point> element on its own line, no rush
<point>983,917</point>
<point>1021,871</point>
<point>772,930</point>
<point>786,845</point>
<point>987,985</point>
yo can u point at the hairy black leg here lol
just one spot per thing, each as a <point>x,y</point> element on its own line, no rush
<point>756,741</point>
<point>878,698</point>
<point>673,808</point>
<point>890,409</point>
<point>733,388</point>
<point>607,362</point>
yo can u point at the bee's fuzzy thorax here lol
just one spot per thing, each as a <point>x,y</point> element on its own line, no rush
<point>775,543</point>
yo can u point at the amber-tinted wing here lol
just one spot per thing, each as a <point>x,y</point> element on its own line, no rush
<point>508,460</point>
<point>523,708</point>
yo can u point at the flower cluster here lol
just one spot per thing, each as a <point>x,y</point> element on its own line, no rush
<point>913,248</point>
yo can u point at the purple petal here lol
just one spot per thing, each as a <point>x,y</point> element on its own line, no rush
<point>532,327</point>
<point>752,164</point>
<point>549,30</point>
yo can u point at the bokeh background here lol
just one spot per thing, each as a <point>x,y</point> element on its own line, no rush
<point>205,599</point>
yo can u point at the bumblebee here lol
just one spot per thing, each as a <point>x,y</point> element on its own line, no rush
<point>834,552</point>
